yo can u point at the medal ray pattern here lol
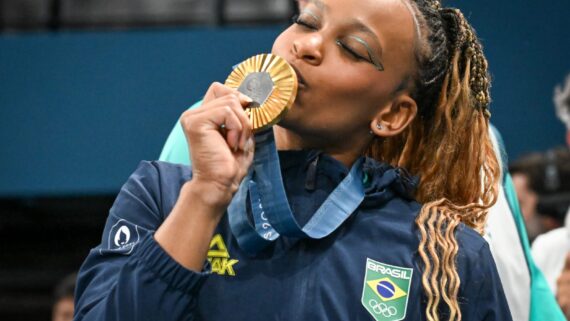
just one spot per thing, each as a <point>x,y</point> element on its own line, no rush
<point>283,93</point>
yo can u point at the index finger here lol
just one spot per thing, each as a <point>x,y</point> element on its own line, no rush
<point>217,90</point>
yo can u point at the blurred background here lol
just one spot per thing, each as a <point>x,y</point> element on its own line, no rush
<point>88,88</point>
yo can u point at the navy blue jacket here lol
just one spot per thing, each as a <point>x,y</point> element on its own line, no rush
<point>130,277</point>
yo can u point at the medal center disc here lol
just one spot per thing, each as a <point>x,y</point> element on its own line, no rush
<point>258,86</point>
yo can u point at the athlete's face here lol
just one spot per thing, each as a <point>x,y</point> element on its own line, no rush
<point>351,57</point>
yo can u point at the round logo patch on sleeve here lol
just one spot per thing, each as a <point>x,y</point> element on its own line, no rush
<point>385,290</point>
<point>122,237</point>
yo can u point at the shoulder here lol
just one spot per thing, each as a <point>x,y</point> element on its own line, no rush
<point>474,254</point>
<point>470,242</point>
<point>474,259</point>
<point>161,169</point>
<point>161,175</point>
<point>481,294</point>
<point>155,184</point>
<point>400,214</point>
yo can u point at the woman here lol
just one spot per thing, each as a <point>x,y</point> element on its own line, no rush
<point>402,82</point>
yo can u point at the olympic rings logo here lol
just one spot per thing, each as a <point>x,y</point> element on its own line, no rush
<point>381,308</point>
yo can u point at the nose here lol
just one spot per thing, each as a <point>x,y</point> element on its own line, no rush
<point>309,48</point>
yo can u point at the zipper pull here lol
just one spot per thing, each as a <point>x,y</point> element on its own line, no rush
<point>311,180</point>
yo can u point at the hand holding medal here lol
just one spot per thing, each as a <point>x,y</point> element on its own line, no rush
<point>220,141</point>
<point>271,83</point>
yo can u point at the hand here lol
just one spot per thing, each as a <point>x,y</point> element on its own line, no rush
<point>220,142</point>
<point>221,147</point>
<point>563,288</point>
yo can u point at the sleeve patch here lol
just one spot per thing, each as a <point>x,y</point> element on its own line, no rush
<point>121,238</point>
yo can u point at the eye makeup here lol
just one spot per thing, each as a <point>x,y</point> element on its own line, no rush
<point>296,19</point>
<point>308,19</point>
<point>373,59</point>
<point>309,13</point>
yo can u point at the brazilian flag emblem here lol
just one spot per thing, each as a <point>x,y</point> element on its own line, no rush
<point>385,290</point>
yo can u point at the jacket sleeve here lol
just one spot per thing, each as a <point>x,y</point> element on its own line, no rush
<point>129,276</point>
<point>483,286</point>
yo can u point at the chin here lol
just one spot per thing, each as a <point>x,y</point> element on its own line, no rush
<point>297,126</point>
<point>286,123</point>
<point>293,118</point>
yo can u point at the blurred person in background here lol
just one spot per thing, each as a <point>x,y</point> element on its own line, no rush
<point>551,249</point>
<point>525,172</point>
<point>541,180</point>
<point>63,299</point>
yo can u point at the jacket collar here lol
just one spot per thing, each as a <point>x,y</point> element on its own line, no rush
<point>381,182</point>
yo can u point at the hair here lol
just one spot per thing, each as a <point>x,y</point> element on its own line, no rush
<point>448,145</point>
<point>548,175</point>
<point>547,172</point>
<point>531,166</point>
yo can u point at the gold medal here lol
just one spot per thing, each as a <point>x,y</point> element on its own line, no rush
<point>272,84</point>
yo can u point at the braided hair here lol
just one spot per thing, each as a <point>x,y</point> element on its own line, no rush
<point>448,146</point>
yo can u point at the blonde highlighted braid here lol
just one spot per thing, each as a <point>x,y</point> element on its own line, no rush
<point>448,146</point>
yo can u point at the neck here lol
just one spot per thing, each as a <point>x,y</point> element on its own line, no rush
<point>286,139</point>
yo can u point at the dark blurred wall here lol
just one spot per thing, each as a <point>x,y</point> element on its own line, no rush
<point>78,110</point>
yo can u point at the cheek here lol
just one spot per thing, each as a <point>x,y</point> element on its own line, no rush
<point>280,44</point>
<point>348,81</point>
<point>354,79</point>
<point>354,86</point>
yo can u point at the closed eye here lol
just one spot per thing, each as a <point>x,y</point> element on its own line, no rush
<point>351,51</point>
<point>368,57</point>
<point>305,24</point>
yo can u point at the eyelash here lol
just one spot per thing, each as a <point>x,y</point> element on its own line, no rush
<point>351,51</point>
<point>296,20</point>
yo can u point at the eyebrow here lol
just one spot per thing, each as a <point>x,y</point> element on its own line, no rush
<point>358,25</point>
<point>353,24</point>
<point>317,3</point>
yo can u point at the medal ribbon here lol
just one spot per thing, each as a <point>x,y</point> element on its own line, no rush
<point>271,213</point>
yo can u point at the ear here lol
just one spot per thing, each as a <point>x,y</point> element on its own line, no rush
<point>394,118</point>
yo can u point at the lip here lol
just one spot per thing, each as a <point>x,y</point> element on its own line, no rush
<point>301,81</point>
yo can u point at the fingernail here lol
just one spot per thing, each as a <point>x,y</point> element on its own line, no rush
<point>249,145</point>
<point>245,98</point>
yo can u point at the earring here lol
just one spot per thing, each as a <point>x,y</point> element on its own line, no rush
<point>380,127</point>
